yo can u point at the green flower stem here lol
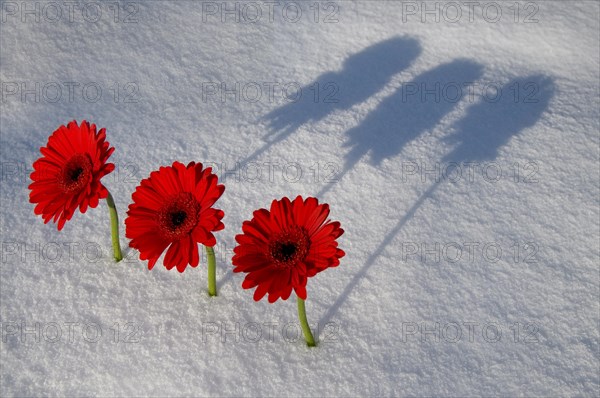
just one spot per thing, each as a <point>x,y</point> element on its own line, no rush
<point>114,227</point>
<point>310,340</point>
<point>212,271</point>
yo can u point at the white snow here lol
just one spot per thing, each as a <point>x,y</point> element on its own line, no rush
<point>434,271</point>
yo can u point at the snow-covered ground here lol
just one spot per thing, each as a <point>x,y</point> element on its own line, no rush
<point>457,143</point>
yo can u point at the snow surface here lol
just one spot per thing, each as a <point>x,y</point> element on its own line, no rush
<point>408,312</point>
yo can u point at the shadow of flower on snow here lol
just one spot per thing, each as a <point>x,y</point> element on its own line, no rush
<point>486,128</point>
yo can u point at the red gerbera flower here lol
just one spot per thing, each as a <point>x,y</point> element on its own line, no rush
<point>172,208</point>
<point>68,175</point>
<point>281,248</point>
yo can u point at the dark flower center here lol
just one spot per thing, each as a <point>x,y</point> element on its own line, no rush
<point>289,247</point>
<point>76,173</point>
<point>287,250</point>
<point>178,216</point>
